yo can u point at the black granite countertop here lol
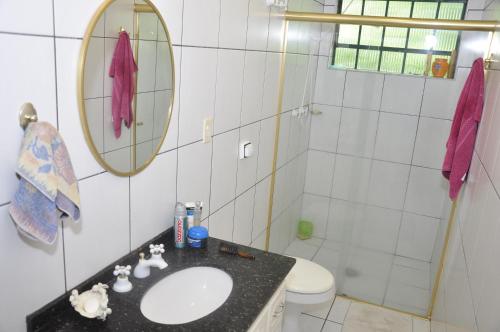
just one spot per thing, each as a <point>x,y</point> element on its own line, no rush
<point>254,282</point>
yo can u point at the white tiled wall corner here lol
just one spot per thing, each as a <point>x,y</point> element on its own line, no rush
<point>388,184</point>
<point>319,175</point>
<point>351,178</point>
<point>417,236</point>
<point>315,210</point>
<point>426,192</point>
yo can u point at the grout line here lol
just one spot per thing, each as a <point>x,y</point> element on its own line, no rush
<point>4,204</point>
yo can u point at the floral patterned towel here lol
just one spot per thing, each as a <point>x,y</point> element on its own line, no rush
<point>48,188</point>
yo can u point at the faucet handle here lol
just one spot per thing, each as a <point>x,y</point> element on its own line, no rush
<point>156,249</point>
<point>122,271</point>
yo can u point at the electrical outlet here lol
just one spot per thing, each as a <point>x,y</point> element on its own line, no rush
<point>208,125</point>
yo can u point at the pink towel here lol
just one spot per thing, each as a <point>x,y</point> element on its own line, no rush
<point>122,70</point>
<point>460,145</point>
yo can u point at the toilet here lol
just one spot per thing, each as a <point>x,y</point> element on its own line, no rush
<point>307,283</point>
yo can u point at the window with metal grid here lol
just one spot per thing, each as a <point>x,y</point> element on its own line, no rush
<point>396,50</point>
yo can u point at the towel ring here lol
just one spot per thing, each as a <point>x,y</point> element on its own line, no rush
<point>27,114</point>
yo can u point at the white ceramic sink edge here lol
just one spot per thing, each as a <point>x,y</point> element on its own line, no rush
<point>186,295</point>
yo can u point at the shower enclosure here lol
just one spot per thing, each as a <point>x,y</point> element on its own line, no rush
<point>362,132</point>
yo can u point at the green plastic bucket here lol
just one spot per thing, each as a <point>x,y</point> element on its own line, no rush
<point>305,229</point>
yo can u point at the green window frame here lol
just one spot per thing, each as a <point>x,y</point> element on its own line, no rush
<point>396,50</point>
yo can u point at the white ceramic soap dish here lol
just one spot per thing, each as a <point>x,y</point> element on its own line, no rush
<point>92,303</point>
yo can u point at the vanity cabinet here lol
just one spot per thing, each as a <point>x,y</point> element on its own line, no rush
<point>271,317</point>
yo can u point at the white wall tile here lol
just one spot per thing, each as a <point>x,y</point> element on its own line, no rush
<point>426,192</point>
<point>266,148</point>
<point>315,210</point>
<point>430,146</point>
<point>229,89</point>
<point>26,291</point>
<point>276,28</point>
<point>193,174</point>
<point>329,84</point>
<point>94,109</point>
<point>220,224</point>
<point>351,178</point>
<point>224,168</point>
<point>145,114</point>
<point>388,184</point>
<point>247,167</point>
<point>162,101</point>
<point>171,140</point>
<point>146,76</point>
<point>94,68</point>
<point>396,86</point>
<point>201,23</point>
<point>24,81</point>
<point>363,90</point>
<point>87,244</point>
<point>71,19</point>
<point>261,207</point>
<point>253,82</point>
<point>233,23</point>
<point>172,14</point>
<point>110,141</point>
<point>243,217</point>
<point>271,85</point>
<point>154,187</point>
<point>197,95</point>
<point>36,17</point>
<point>417,236</point>
<point>358,129</point>
<point>441,95</point>
<point>70,127</point>
<point>319,174</point>
<point>119,160</point>
<point>395,137</point>
<point>119,14</point>
<point>325,128</point>
<point>258,25</point>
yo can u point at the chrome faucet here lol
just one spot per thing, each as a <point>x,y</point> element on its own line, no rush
<point>143,267</point>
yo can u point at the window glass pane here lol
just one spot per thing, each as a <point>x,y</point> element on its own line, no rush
<point>348,34</point>
<point>450,10</point>
<point>345,57</point>
<point>399,8</point>
<point>374,8</point>
<point>425,9</point>
<point>446,40</point>
<point>392,62</point>
<point>415,63</point>
<point>417,38</point>
<point>352,7</point>
<point>371,35</point>
<point>368,59</point>
<point>395,37</point>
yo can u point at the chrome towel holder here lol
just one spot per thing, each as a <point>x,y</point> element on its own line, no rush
<point>27,114</point>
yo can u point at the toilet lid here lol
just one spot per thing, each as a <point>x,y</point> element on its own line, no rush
<point>308,277</point>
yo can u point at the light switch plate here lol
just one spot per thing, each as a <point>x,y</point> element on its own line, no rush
<point>208,125</point>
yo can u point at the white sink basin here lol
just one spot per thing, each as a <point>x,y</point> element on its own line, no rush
<point>186,295</point>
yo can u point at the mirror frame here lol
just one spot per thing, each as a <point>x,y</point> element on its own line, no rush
<point>138,8</point>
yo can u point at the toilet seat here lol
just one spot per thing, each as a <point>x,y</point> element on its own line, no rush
<point>309,283</point>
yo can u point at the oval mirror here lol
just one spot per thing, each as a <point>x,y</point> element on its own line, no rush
<point>126,85</point>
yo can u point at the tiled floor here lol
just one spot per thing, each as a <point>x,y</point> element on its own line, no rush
<point>374,276</point>
<point>344,315</point>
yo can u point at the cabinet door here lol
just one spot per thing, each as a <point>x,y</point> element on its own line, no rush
<point>260,325</point>
<point>277,311</point>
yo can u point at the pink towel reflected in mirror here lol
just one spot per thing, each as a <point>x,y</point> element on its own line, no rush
<point>122,70</point>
